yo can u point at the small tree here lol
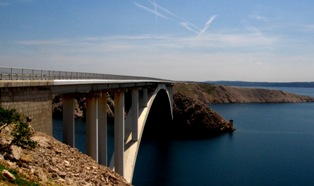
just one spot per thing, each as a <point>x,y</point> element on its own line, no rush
<point>8,116</point>
<point>22,134</point>
<point>21,131</point>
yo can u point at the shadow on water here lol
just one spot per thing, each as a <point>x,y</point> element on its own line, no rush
<point>154,157</point>
<point>163,158</point>
<point>155,152</point>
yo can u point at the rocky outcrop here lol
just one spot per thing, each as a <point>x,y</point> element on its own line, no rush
<point>193,118</point>
<point>208,93</point>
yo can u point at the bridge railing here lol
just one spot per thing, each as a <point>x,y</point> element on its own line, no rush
<point>33,74</point>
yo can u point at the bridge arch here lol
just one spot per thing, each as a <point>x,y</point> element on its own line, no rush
<point>160,102</point>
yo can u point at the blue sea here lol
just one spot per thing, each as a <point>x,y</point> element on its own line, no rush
<point>273,145</point>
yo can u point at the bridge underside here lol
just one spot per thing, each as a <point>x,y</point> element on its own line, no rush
<point>158,111</point>
<point>150,102</point>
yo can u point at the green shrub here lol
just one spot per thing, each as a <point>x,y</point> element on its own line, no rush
<point>21,132</point>
<point>8,116</point>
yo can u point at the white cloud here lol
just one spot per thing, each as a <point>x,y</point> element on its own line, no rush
<point>153,43</point>
<point>223,55</point>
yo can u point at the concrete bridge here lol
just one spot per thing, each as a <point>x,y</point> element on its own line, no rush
<point>31,92</point>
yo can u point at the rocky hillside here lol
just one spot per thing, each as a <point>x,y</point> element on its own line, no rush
<point>43,160</point>
<point>54,163</point>
<point>208,93</point>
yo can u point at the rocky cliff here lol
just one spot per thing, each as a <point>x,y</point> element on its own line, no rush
<point>194,119</point>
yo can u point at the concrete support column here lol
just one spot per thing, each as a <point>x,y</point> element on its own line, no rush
<point>92,127</point>
<point>135,113</point>
<point>145,97</point>
<point>68,121</point>
<point>102,129</point>
<point>119,132</point>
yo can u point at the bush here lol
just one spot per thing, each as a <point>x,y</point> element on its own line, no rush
<point>8,116</point>
<point>21,132</point>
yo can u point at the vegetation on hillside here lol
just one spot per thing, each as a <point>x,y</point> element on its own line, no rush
<point>21,131</point>
<point>20,135</point>
<point>19,179</point>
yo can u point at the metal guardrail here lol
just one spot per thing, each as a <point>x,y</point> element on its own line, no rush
<point>32,74</point>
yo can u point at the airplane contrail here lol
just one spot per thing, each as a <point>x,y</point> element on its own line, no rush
<point>167,14</point>
<point>165,10</point>
<point>155,6</point>
<point>186,24</point>
<point>190,27</point>
<point>211,19</point>
<point>152,11</point>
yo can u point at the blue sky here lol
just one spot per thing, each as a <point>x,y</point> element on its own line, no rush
<point>249,40</point>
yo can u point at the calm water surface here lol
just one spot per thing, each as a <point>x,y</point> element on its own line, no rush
<point>273,145</point>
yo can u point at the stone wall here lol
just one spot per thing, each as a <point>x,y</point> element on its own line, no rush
<point>34,102</point>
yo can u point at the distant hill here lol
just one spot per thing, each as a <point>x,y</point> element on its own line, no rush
<point>213,93</point>
<point>263,84</point>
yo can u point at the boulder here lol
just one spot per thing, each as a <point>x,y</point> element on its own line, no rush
<point>8,175</point>
<point>16,152</point>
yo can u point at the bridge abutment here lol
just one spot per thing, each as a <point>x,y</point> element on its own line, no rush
<point>33,102</point>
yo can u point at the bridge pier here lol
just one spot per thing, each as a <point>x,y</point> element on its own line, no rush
<point>145,97</point>
<point>102,129</point>
<point>135,114</point>
<point>68,121</point>
<point>127,131</point>
<point>96,125</point>
<point>92,127</point>
<point>119,129</point>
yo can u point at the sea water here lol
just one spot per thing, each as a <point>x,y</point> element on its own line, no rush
<point>273,145</point>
